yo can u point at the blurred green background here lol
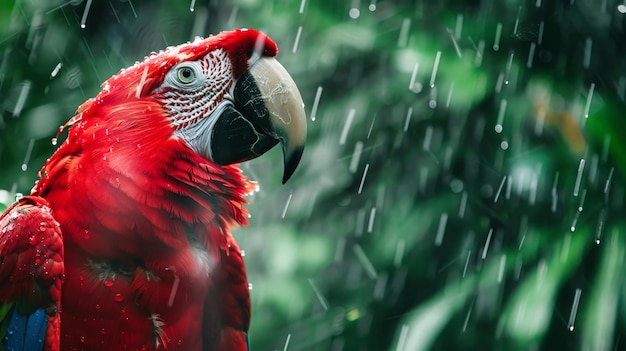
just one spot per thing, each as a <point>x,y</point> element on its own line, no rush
<point>463,183</point>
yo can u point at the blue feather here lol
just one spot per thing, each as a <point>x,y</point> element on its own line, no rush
<point>26,332</point>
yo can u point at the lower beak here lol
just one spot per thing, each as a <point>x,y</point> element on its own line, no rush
<point>267,109</point>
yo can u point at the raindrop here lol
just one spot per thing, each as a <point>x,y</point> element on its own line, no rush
<point>458,27</point>
<point>574,310</point>
<point>480,50</point>
<point>435,68</point>
<point>487,242</point>
<point>495,199</point>
<point>85,13</point>
<point>322,300</point>
<point>367,166</point>
<point>467,317</point>
<point>288,335</point>
<point>496,42</point>
<point>501,268</point>
<point>403,38</point>
<point>499,82</point>
<point>463,204</point>
<point>132,8</point>
<point>607,185</point>
<point>404,332</point>
<point>250,286</point>
<point>501,111</point>
<point>456,45</point>
<point>316,102</point>
<point>467,260</point>
<point>356,156</point>
<point>414,86</point>
<point>56,70</point>
<point>302,4</point>
<point>407,120</point>
<point>295,43</point>
<point>428,137</point>
<point>504,145</point>
<point>582,200</point>
<point>574,222</point>
<point>346,127</point>
<point>531,55</point>
<point>287,205</point>
<point>108,283</point>
<point>589,97</point>
<point>600,225</point>
<point>170,301</point>
<point>369,132</point>
<point>456,185</point>
<point>443,221</point>
<point>372,6</point>
<point>192,6</point>
<point>540,35</point>
<point>432,103</point>
<point>354,13</point>
<point>54,141</point>
<point>519,12</point>
<point>370,224</point>
<point>554,192</point>
<point>449,95</point>
<point>365,261</point>
<point>21,99</point>
<point>509,64</point>
<point>621,8</point>
<point>117,18</point>
<point>29,150</point>
<point>579,176</point>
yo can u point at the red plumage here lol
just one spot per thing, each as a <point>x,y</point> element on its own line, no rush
<point>149,260</point>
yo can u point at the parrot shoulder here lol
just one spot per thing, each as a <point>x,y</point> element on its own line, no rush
<point>31,256</point>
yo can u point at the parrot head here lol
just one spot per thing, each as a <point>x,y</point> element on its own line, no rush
<point>225,96</point>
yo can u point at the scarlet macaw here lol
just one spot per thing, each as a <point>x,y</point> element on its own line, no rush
<point>124,243</point>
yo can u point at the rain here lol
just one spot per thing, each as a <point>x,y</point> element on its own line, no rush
<point>464,180</point>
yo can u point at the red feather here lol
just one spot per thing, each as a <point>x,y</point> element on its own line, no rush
<point>32,265</point>
<point>150,262</point>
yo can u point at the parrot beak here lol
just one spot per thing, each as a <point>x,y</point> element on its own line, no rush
<point>268,109</point>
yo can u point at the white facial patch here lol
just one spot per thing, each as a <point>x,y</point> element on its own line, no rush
<point>192,90</point>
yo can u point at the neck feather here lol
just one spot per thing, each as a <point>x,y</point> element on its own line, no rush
<point>128,181</point>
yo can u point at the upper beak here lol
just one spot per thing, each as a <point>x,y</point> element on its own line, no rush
<point>267,109</point>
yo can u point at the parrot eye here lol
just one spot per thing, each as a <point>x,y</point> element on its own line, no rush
<point>186,75</point>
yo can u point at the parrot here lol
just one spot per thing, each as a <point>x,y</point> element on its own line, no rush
<point>124,242</point>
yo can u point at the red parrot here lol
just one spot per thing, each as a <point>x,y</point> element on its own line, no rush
<point>124,242</point>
